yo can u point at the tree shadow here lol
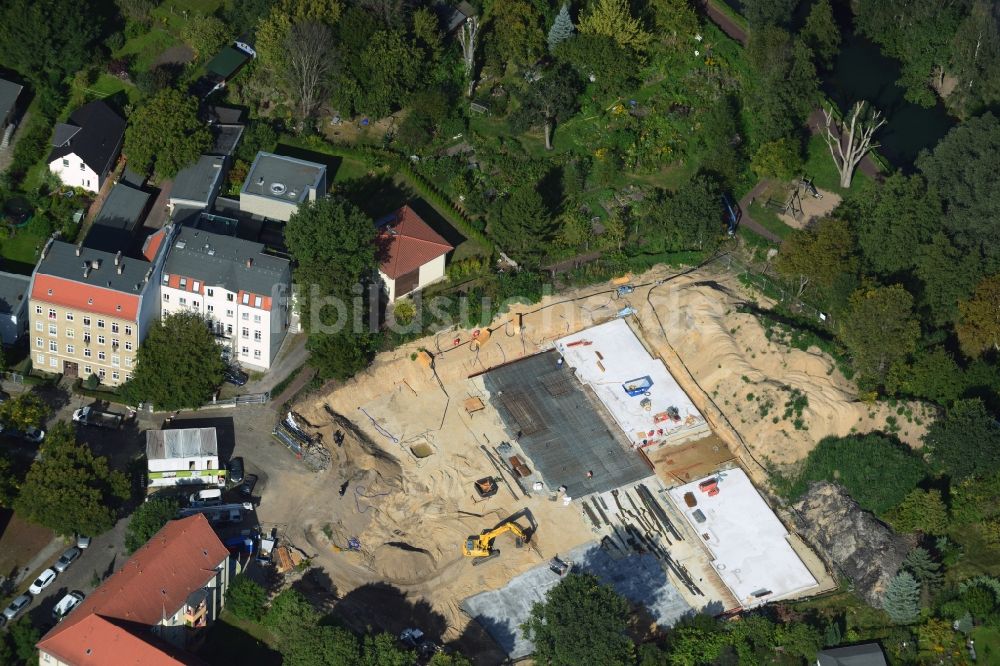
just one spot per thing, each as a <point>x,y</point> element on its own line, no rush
<point>331,162</point>
<point>317,586</point>
<point>379,607</point>
<point>227,643</point>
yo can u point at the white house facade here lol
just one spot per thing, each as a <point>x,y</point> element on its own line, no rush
<point>412,255</point>
<point>73,171</point>
<point>84,148</point>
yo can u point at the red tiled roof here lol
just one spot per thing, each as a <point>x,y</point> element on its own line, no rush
<point>95,641</point>
<point>152,245</point>
<point>154,582</point>
<point>84,297</point>
<point>407,243</point>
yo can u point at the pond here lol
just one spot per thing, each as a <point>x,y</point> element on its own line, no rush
<point>861,72</point>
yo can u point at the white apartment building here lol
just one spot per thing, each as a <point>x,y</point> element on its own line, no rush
<point>240,290</point>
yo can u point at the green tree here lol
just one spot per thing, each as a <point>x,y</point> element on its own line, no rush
<point>920,511</point>
<point>8,481</point>
<point>334,244</point>
<point>148,519</point>
<point>965,442</point>
<point>923,567</point>
<point>523,225</point>
<point>24,411</point>
<point>179,365</point>
<point>382,649</point>
<point>918,33</point>
<point>821,33</point>
<point>847,461</point>
<point>887,246</point>
<point>613,18</point>
<point>427,32</point>
<point>515,33</point>
<point>205,34</point>
<point>546,101</point>
<point>783,84</point>
<point>343,354</point>
<point>165,134</point>
<point>934,375</point>
<point>69,489</point>
<point>290,612</point>
<point>139,11</point>
<point>902,598</point>
<point>975,59</point>
<point>453,659</point>
<point>246,599</point>
<point>947,276</point>
<point>691,216</point>
<point>817,258</point>
<point>879,331</point>
<point>44,49</point>
<point>777,159</point>
<point>762,13</point>
<point>580,622</point>
<point>600,57</point>
<point>320,646</point>
<point>562,28</point>
<point>24,635</point>
<point>978,327</point>
<point>962,168</point>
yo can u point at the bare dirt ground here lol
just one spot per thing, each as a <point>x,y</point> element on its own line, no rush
<point>402,481</point>
<point>812,209</point>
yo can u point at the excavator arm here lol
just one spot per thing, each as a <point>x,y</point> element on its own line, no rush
<point>481,546</point>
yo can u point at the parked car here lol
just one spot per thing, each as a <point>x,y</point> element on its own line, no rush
<point>66,604</point>
<point>34,435</point>
<point>235,468</point>
<point>82,542</point>
<point>66,559</point>
<point>206,497</point>
<point>235,376</point>
<point>43,581</point>
<point>246,488</point>
<point>16,607</point>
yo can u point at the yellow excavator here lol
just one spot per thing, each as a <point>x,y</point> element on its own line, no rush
<point>481,547</point>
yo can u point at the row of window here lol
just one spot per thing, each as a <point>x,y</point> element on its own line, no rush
<point>211,308</point>
<point>87,370</point>
<point>245,351</point>
<point>210,291</point>
<point>83,166</point>
<point>71,333</point>
<point>87,352</point>
<point>86,320</point>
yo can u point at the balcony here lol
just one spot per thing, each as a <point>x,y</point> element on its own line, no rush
<point>196,609</point>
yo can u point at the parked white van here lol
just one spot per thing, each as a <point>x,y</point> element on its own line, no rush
<point>206,497</point>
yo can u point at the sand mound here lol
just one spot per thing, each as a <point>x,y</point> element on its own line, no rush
<point>401,563</point>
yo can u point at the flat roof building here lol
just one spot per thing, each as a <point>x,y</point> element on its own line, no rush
<point>13,306</point>
<point>749,546</point>
<point>184,455</point>
<point>638,391</point>
<point>114,227</point>
<point>276,185</point>
<point>197,184</point>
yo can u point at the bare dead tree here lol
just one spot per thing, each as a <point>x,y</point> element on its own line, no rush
<point>851,140</point>
<point>310,61</point>
<point>467,37</point>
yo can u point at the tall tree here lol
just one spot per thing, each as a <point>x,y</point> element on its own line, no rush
<point>923,567</point>
<point>850,140</point>
<point>978,326</point>
<point>691,217</point>
<point>165,134</point>
<point>963,170</point>
<point>613,18</point>
<point>821,33</point>
<point>819,257</point>
<point>762,13</point>
<point>902,598</point>
<point>879,331</point>
<point>468,38</point>
<point>783,84</point>
<point>523,224</point>
<point>548,100</point>
<point>148,519</point>
<point>887,246</point>
<point>179,365</point>
<point>975,54</point>
<point>516,35</point>
<point>205,34</point>
<point>581,621</point>
<point>69,489</point>
<point>48,40</point>
<point>965,443</point>
<point>310,61</point>
<point>562,28</point>
<point>24,411</point>
<point>921,511</point>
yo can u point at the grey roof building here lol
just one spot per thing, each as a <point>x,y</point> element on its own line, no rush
<point>9,92</point>
<point>181,443</point>
<point>13,306</point>
<point>93,267</point>
<point>94,133</point>
<point>865,654</point>
<point>225,261</point>
<point>277,185</point>
<point>114,227</point>
<point>198,184</point>
<point>225,138</point>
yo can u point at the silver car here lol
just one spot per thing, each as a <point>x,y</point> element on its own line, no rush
<point>16,607</point>
<point>66,559</point>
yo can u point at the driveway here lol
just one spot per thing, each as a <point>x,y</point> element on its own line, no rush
<point>292,354</point>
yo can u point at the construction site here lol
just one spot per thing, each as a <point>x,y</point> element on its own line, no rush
<point>471,470</point>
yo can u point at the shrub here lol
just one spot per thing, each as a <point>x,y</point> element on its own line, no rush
<point>246,599</point>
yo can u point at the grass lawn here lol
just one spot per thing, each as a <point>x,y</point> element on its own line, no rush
<point>21,250</point>
<point>769,219</point>
<point>19,541</point>
<point>820,167</point>
<point>350,169</point>
<point>233,641</point>
<point>147,47</point>
<point>987,644</point>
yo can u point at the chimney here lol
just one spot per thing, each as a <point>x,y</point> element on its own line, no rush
<point>249,262</point>
<point>79,249</point>
<point>95,264</point>
<point>121,267</point>
<point>118,258</point>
